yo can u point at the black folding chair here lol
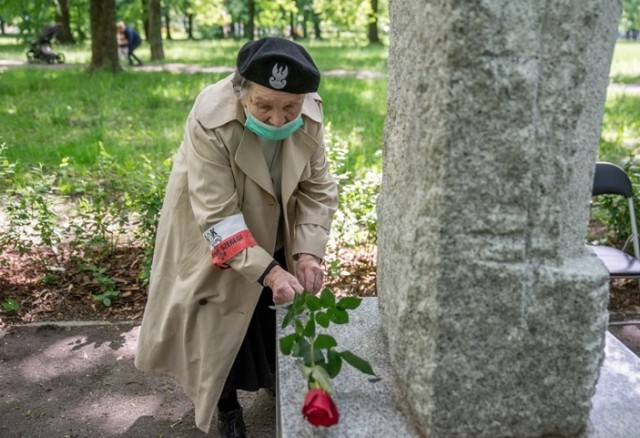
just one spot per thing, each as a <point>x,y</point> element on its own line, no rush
<point>610,179</point>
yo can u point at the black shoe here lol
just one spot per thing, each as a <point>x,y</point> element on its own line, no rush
<point>231,424</point>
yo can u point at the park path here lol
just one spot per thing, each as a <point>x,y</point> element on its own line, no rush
<point>189,68</point>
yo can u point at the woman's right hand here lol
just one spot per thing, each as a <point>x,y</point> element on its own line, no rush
<point>283,285</point>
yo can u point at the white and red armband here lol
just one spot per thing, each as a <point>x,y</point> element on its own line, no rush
<point>227,238</point>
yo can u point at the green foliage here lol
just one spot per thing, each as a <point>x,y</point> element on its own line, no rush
<point>321,362</point>
<point>107,285</point>
<point>630,15</point>
<point>10,305</point>
<point>32,220</point>
<point>93,163</point>
<point>86,219</point>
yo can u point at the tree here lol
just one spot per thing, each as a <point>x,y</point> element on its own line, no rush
<point>63,16</point>
<point>344,16</point>
<point>104,49</point>
<point>251,26</point>
<point>145,18</point>
<point>166,13</point>
<point>374,38</point>
<point>155,30</point>
<point>630,22</point>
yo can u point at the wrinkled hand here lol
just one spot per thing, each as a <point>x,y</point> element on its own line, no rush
<point>309,273</point>
<point>284,286</point>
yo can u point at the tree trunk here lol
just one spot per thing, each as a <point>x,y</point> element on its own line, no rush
<point>250,30</point>
<point>104,48</point>
<point>167,24</point>
<point>189,27</point>
<point>305,30</point>
<point>145,18</point>
<point>62,16</point>
<point>374,38</point>
<point>155,30</point>
<point>2,31</point>
<point>316,26</point>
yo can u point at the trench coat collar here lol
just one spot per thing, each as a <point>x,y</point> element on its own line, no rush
<point>219,105</point>
<point>296,152</point>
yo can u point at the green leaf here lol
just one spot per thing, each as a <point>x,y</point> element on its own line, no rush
<point>338,316</point>
<point>323,319</point>
<point>288,317</point>
<point>318,357</point>
<point>327,298</point>
<point>298,303</point>
<point>313,303</point>
<point>325,341</point>
<point>334,363</point>
<point>310,328</point>
<point>349,303</point>
<point>357,362</point>
<point>10,305</point>
<point>299,327</point>
<point>322,378</point>
<point>301,348</point>
<point>287,342</point>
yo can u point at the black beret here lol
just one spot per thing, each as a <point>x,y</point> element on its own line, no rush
<point>279,64</point>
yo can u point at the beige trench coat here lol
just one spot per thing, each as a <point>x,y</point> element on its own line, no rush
<point>197,314</point>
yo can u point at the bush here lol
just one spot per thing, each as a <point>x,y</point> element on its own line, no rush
<point>54,220</point>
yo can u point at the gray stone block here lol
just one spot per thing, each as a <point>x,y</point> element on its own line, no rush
<point>494,308</point>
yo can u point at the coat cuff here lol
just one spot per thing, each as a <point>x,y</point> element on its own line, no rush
<point>272,265</point>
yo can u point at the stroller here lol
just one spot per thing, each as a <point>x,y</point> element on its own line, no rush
<point>40,50</point>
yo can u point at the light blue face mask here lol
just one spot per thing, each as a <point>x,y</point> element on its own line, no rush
<point>269,132</point>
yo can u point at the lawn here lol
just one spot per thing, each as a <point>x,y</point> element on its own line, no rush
<point>50,115</point>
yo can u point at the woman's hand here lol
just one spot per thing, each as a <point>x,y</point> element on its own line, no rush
<point>309,273</point>
<point>283,285</point>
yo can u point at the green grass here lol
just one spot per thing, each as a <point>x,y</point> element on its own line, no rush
<point>625,66</point>
<point>52,114</point>
<point>49,114</point>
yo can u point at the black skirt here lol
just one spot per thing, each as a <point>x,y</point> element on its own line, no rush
<point>255,364</point>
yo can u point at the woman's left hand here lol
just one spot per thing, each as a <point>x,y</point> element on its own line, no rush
<point>309,273</point>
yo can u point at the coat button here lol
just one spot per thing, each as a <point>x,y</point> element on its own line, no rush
<point>203,301</point>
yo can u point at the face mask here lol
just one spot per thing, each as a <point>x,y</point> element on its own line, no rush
<point>272,132</point>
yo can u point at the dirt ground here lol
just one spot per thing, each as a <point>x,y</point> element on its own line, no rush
<point>80,381</point>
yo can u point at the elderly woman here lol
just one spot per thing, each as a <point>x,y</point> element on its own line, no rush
<point>244,224</point>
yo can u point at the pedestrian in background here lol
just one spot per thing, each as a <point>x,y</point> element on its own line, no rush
<point>133,42</point>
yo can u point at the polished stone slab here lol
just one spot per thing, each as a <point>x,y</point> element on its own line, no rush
<point>374,407</point>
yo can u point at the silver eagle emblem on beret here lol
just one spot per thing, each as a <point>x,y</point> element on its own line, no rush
<point>278,79</point>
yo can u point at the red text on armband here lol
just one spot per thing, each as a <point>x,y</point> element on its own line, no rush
<point>230,247</point>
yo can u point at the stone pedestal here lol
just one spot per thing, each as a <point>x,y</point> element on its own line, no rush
<point>493,307</point>
<point>377,408</point>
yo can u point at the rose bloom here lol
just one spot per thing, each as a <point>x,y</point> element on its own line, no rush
<point>319,409</point>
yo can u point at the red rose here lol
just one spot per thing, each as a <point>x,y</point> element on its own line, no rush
<point>319,409</point>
